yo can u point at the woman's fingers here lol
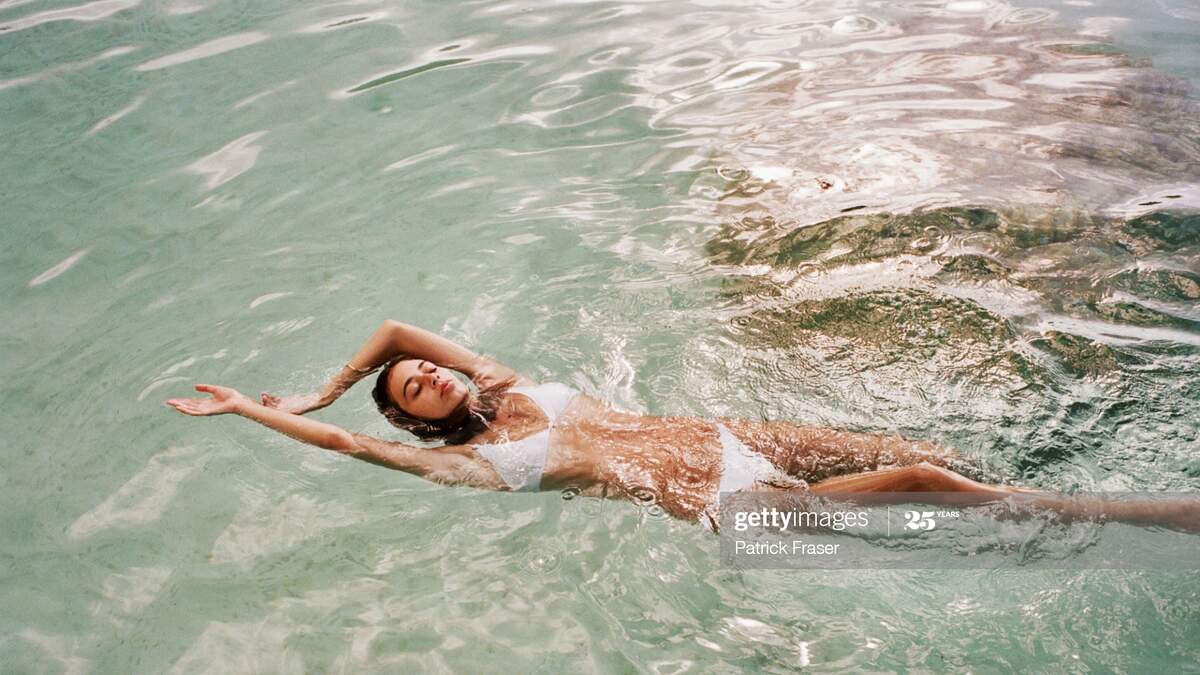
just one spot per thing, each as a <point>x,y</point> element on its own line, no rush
<point>182,407</point>
<point>193,406</point>
<point>221,400</point>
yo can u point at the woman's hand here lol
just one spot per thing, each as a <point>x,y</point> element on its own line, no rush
<point>297,404</point>
<point>224,400</point>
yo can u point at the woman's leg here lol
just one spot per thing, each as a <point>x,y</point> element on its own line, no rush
<point>922,477</point>
<point>946,487</point>
<point>847,463</point>
<point>819,453</point>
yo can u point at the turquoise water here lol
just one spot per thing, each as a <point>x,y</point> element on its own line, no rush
<point>969,222</point>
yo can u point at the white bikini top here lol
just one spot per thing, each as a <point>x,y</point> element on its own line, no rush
<point>521,462</point>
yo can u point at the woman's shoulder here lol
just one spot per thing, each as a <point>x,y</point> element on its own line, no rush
<point>516,415</point>
<point>489,381</point>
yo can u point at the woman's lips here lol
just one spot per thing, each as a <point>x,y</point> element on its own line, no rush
<point>446,388</point>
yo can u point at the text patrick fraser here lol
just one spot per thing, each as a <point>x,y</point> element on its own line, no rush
<point>794,547</point>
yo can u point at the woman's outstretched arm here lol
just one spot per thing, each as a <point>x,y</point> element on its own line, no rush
<point>449,465</point>
<point>392,339</point>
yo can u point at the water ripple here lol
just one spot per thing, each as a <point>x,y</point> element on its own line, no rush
<point>91,11</point>
<point>57,270</point>
<point>229,162</point>
<point>203,51</point>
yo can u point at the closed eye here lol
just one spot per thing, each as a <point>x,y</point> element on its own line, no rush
<point>412,390</point>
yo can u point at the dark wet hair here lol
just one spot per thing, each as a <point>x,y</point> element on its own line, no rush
<point>471,417</point>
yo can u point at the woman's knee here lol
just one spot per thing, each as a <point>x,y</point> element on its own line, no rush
<point>930,477</point>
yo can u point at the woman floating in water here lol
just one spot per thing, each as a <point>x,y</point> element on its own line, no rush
<point>513,434</point>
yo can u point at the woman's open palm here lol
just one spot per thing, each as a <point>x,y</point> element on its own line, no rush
<point>224,400</point>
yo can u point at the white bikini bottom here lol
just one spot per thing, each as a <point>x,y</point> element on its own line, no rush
<point>742,468</point>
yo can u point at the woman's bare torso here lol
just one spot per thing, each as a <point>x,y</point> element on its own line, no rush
<point>601,451</point>
<point>675,462</point>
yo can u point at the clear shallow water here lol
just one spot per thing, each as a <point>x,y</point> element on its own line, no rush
<point>627,197</point>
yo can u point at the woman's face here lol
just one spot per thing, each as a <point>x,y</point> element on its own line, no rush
<point>425,390</point>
